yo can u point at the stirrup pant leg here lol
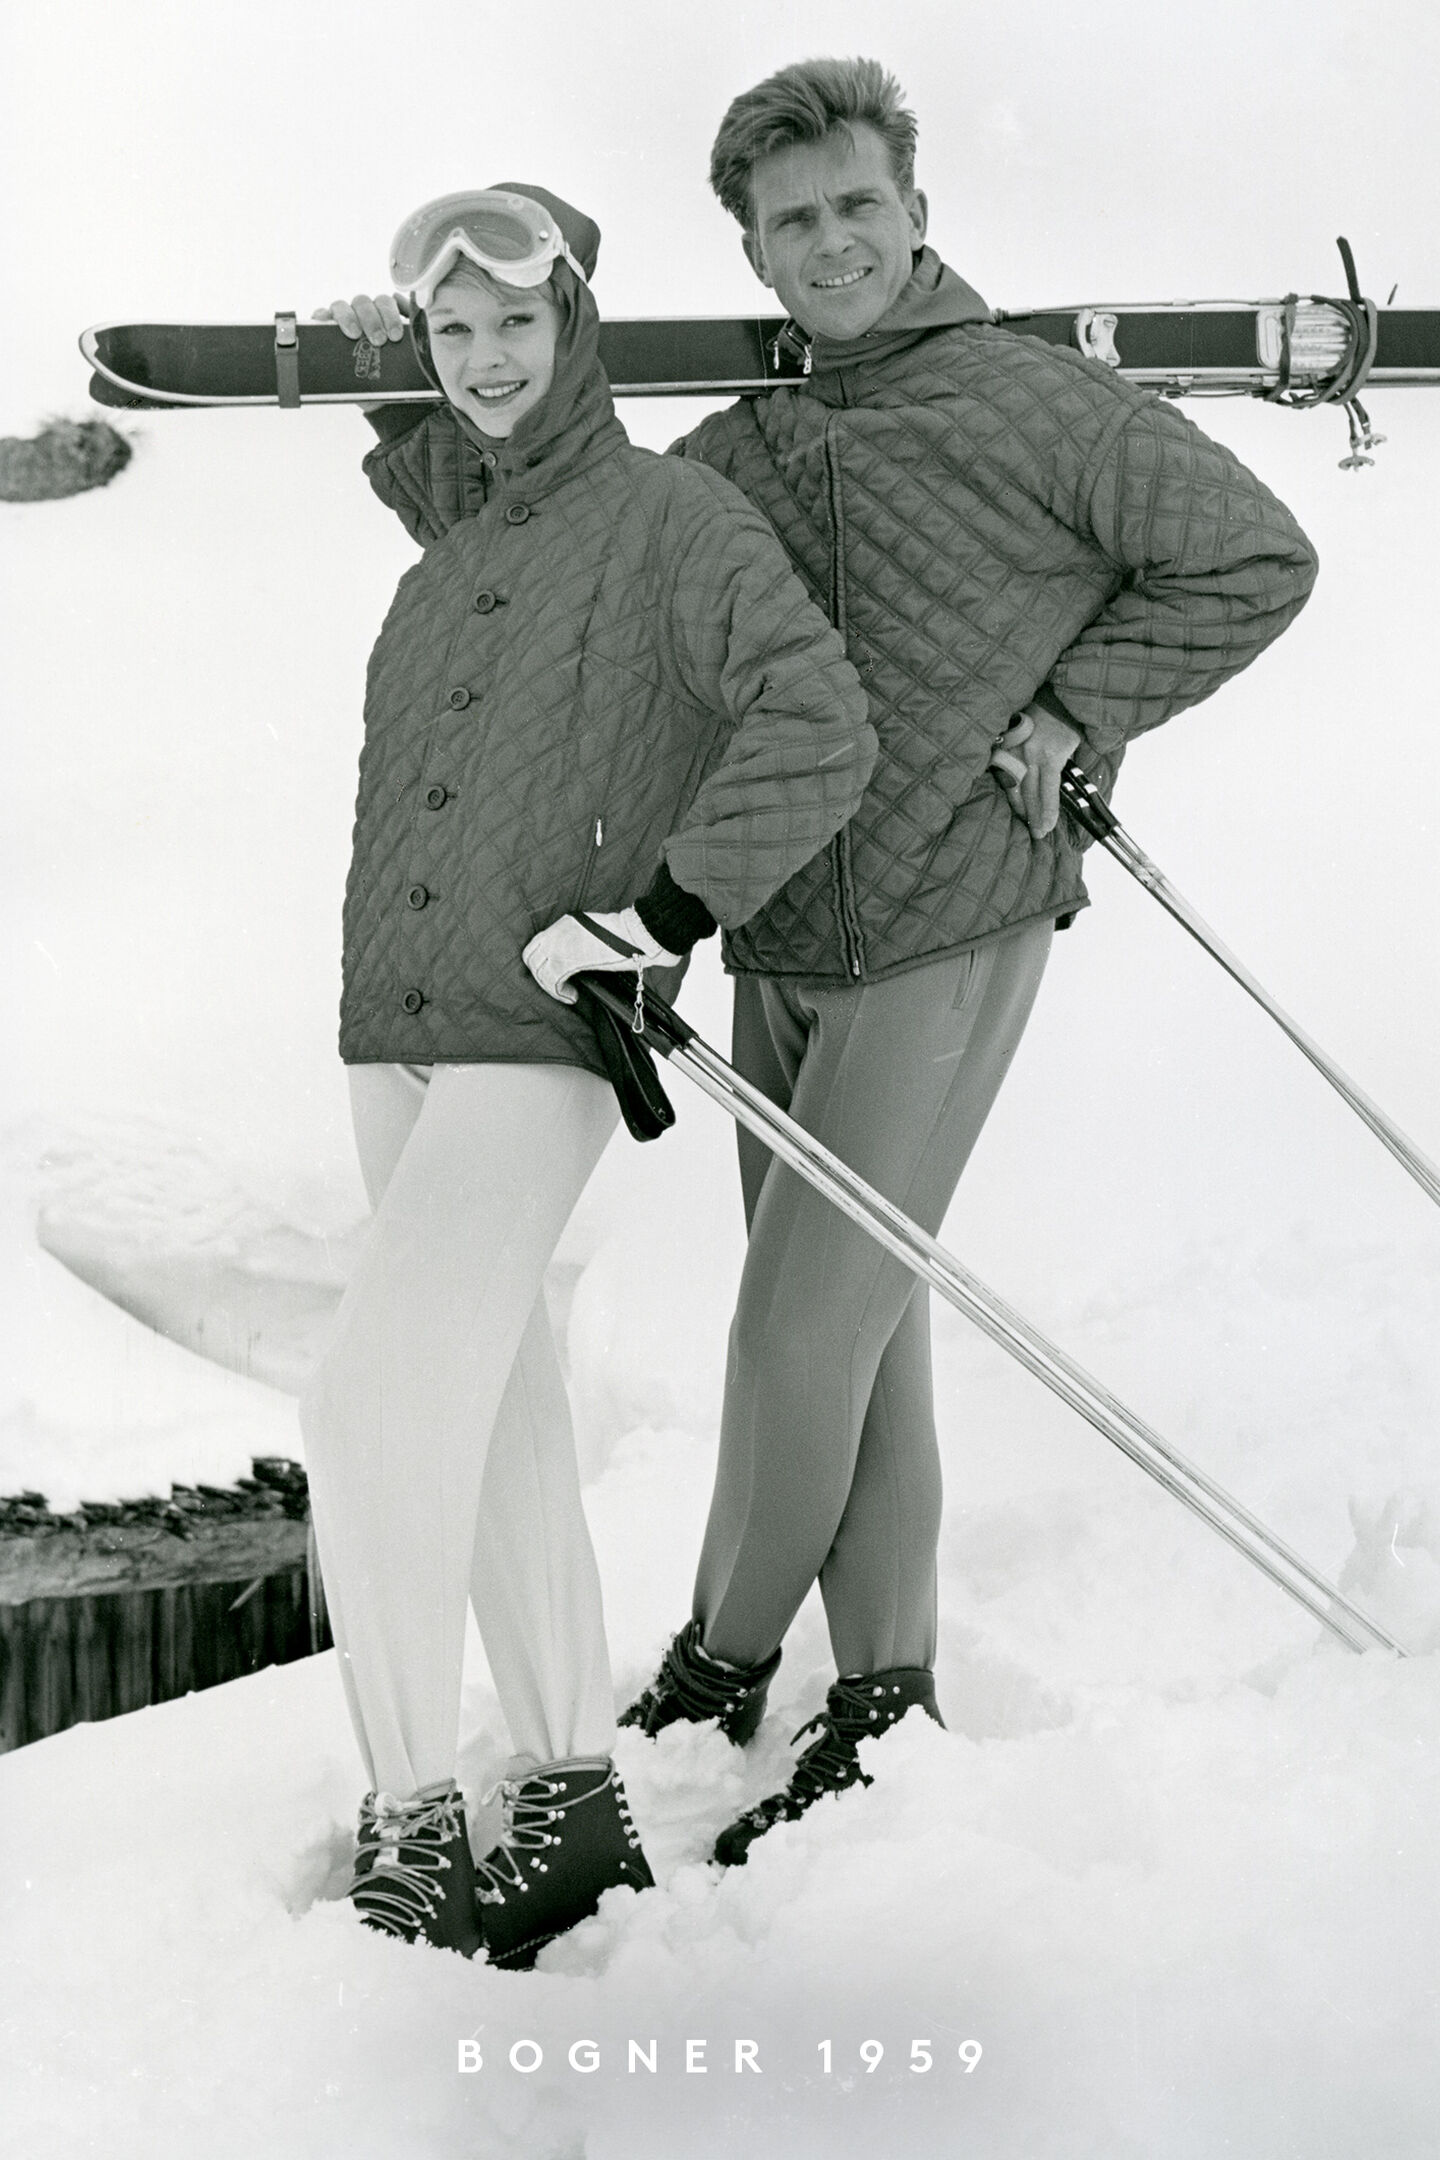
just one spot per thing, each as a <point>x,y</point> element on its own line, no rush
<point>896,1078</point>
<point>400,1417</point>
<point>534,1585</point>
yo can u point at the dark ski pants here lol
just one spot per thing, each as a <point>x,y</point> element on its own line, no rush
<point>829,1466</point>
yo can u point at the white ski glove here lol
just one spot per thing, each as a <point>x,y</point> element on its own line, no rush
<point>567,948</point>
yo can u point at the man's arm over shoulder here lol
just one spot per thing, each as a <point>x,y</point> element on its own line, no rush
<point>711,442</point>
<point>1214,568</point>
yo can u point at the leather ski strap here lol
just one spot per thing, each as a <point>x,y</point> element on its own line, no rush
<point>287,360</point>
<point>629,1066</point>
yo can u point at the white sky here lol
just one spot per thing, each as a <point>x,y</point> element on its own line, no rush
<point>219,162</point>
<point>215,162</point>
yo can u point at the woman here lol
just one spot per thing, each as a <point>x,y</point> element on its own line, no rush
<point>601,687</point>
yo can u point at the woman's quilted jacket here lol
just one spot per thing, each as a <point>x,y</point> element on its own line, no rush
<point>989,520</point>
<point>600,653</point>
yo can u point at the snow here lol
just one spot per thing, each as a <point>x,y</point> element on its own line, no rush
<point>1172,1865</point>
<point>1181,1917</point>
<point>1167,1865</point>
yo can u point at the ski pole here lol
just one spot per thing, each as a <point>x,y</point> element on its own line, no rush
<point>1089,808</point>
<point>664,1031</point>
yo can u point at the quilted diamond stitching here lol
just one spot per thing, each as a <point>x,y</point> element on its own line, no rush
<point>646,610</point>
<point>1010,514</point>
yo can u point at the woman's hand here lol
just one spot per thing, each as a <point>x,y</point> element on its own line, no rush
<point>380,317</point>
<point>571,945</point>
<point>1030,756</point>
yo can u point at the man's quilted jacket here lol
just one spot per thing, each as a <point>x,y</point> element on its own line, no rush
<point>990,521</point>
<point>600,651</point>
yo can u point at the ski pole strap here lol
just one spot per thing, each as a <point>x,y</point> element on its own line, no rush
<point>1360,320</point>
<point>644,1105</point>
<point>664,1030</point>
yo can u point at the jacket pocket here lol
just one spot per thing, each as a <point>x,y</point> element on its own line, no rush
<point>594,843</point>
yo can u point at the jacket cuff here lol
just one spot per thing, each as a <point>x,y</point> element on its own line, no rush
<point>1049,701</point>
<point>676,919</point>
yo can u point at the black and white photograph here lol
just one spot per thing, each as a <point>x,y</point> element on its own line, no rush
<point>720,1407</point>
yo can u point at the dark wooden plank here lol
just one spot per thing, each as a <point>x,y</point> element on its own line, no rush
<point>52,1707</point>
<point>90,1662</point>
<point>134,1661</point>
<point>13,1624</point>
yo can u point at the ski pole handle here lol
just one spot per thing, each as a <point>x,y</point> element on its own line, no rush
<point>663,1030</point>
<point>1086,804</point>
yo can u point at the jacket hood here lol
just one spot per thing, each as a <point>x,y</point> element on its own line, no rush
<point>577,411</point>
<point>582,234</point>
<point>934,299</point>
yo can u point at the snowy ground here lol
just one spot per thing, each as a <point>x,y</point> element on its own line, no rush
<point>1173,1865</point>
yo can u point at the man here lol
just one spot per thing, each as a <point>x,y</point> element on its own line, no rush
<point>999,528</point>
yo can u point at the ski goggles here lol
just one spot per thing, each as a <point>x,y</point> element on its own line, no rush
<point>510,236</point>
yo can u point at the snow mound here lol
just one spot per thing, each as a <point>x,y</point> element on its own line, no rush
<point>1178,1928</point>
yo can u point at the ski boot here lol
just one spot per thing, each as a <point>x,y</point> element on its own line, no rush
<point>693,1685</point>
<point>414,1872</point>
<point>855,1709</point>
<point>568,1838</point>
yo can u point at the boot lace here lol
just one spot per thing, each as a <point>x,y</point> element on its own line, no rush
<point>702,1685</point>
<point>830,1763</point>
<point>399,1856</point>
<point>529,1812</point>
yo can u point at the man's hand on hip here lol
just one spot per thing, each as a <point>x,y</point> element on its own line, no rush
<point>1030,756</point>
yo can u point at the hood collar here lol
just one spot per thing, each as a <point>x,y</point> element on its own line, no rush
<point>935,298</point>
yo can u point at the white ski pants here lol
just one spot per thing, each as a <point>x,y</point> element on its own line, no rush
<point>437,1430</point>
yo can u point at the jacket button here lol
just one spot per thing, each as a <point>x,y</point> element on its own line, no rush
<point>486,602</point>
<point>417,897</point>
<point>458,699</point>
<point>412,1001</point>
<point>517,513</point>
<point>436,798</point>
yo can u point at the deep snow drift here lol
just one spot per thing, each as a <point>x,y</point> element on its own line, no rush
<point>1173,1864</point>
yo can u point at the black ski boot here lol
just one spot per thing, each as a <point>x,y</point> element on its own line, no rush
<point>568,1838</point>
<point>414,1872</point>
<point>855,1709</point>
<point>694,1686</point>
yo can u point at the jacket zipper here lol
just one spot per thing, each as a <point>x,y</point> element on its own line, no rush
<point>852,944</point>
